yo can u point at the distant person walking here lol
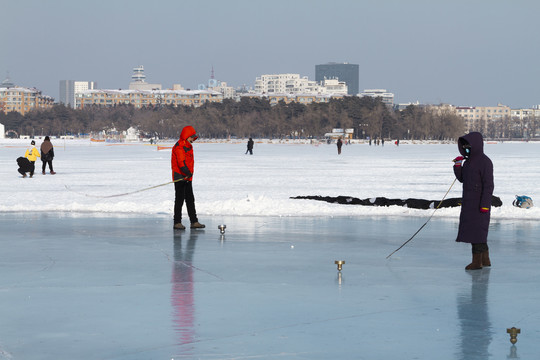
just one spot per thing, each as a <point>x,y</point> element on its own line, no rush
<point>250,146</point>
<point>47,155</point>
<point>183,164</point>
<point>339,145</point>
<point>475,170</point>
<point>31,154</point>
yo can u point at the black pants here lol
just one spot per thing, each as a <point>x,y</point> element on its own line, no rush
<point>479,248</point>
<point>32,167</point>
<point>184,192</point>
<point>44,165</point>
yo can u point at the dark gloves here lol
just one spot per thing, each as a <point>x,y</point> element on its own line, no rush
<point>178,177</point>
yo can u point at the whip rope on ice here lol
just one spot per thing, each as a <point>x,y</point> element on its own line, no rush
<point>122,194</point>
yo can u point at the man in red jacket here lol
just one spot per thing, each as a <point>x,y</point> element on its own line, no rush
<point>182,164</point>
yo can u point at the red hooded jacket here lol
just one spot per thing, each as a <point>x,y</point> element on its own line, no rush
<point>182,161</point>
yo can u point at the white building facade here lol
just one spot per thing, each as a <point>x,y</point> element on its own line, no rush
<point>334,86</point>
<point>523,114</point>
<point>294,84</point>
<point>386,97</point>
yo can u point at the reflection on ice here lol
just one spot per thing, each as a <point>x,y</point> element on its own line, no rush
<point>182,296</point>
<point>473,314</point>
<point>132,288</point>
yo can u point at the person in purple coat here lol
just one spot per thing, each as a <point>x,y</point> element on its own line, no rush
<point>475,170</point>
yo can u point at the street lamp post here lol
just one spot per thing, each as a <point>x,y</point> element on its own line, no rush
<point>362,126</point>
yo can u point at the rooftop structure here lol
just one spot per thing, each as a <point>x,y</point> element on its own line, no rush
<point>138,80</point>
<point>7,83</point>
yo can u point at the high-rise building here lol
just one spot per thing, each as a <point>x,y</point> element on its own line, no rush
<point>69,88</point>
<point>349,73</point>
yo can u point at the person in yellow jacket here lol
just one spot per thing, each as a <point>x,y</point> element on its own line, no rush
<point>32,154</point>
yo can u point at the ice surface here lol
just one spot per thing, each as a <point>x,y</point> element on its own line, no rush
<point>87,277</point>
<point>117,287</point>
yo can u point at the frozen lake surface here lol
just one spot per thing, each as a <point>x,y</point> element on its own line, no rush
<point>88,276</point>
<point>94,286</point>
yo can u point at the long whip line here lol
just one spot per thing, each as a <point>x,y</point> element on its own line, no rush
<point>123,194</point>
<point>405,243</point>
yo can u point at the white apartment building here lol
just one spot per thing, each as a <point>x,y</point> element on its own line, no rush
<point>334,86</point>
<point>386,97</point>
<point>294,84</point>
<point>523,114</point>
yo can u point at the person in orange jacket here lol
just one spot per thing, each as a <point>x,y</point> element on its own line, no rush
<point>182,165</point>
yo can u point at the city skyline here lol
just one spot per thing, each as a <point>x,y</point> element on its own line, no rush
<point>462,53</point>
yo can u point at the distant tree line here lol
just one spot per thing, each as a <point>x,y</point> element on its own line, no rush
<point>249,117</point>
<point>508,128</point>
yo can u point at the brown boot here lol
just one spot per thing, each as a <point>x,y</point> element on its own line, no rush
<point>485,258</point>
<point>197,225</point>
<point>476,262</point>
<point>179,226</point>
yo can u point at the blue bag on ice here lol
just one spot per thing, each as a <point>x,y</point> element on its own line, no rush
<point>523,202</point>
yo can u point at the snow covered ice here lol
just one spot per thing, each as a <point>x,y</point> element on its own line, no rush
<point>89,277</point>
<point>228,182</point>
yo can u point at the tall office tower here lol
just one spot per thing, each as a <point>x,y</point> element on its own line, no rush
<point>342,71</point>
<point>68,89</point>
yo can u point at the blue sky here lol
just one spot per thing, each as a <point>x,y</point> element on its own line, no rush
<point>477,52</point>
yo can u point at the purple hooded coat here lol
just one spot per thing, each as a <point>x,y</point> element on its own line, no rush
<point>476,174</point>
